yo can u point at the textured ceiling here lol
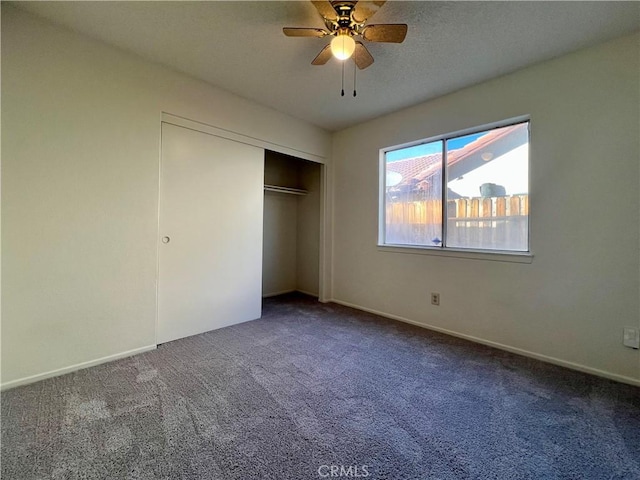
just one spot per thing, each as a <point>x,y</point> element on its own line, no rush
<point>239,46</point>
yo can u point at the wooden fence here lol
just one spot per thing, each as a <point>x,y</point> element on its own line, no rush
<point>494,222</point>
<point>430,211</point>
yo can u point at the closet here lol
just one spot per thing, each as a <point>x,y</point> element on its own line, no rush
<point>237,222</point>
<point>211,205</point>
<point>291,237</point>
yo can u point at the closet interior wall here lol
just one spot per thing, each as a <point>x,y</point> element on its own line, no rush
<point>291,241</point>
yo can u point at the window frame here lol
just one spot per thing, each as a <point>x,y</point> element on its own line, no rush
<point>516,256</point>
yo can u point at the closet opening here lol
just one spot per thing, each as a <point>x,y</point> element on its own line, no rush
<point>292,216</point>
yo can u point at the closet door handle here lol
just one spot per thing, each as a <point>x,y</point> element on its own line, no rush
<point>166,239</point>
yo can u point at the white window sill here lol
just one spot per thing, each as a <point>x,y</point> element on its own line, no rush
<point>488,255</point>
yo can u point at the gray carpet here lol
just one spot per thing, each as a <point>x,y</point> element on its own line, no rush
<point>311,387</point>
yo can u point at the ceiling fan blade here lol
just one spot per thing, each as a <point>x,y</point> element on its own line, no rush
<point>361,56</point>
<point>325,9</point>
<point>366,9</point>
<point>304,32</point>
<point>391,32</point>
<point>323,57</point>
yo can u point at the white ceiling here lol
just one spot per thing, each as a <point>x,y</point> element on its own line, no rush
<point>239,46</point>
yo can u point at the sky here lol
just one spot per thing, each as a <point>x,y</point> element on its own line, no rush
<point>430,148</point>
<point>509,170</point>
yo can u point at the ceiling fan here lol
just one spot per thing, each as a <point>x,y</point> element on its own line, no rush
<point>345,20</point>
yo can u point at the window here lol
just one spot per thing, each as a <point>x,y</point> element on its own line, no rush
<point>481,179</point>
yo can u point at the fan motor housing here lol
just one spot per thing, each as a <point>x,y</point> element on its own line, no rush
<point>344,10</point>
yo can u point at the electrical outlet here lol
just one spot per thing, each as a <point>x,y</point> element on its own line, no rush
<point>435,299</point>
<point>631,337</point>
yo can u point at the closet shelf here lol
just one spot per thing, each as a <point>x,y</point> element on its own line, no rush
<point>278,189</point>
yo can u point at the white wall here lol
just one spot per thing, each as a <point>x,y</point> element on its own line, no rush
<point>571,303</point>
<point>280,239</point>
<point>308,230</point>
<point>81,131</point>
<point>291,247</point>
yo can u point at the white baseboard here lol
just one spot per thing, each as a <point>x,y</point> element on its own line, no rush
<point>500,346</point>
<point>308,293</point>
<point>275,294</point>
<point>79,366</point>
<point>519,351</point>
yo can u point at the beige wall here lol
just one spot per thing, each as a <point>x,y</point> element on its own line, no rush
<point>81,131</point>
<point>80,159</point>
<point>291,247</point>
<point>571,303</point>
<point>308,230</point>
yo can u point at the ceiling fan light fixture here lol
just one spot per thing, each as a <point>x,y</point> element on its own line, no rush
<point>344,20</point>
<point>343,46</point>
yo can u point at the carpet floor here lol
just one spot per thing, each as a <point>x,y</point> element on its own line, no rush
<point>314,391</point>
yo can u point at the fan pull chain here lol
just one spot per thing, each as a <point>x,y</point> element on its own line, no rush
<point>342,93</point>
<point>354,72</point>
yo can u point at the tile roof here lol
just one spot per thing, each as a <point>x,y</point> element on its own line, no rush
<point>419,170</point>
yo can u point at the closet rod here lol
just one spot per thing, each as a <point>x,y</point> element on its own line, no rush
<point>292,191</point>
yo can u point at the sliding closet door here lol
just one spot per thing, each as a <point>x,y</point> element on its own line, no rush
<point>211,206</point>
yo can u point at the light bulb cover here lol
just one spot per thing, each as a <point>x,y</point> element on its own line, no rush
<point>343,46</point>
